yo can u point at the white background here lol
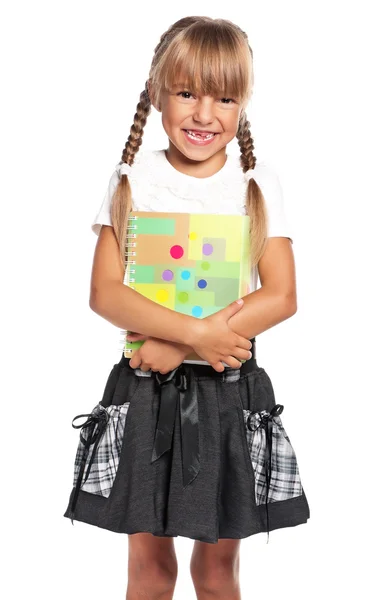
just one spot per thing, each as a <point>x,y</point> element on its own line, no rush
<point>320,114</point>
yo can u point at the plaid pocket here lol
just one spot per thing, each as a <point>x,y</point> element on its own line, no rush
<point>273,459</point>
<point>99,448</point>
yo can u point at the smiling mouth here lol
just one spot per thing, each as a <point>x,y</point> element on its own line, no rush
<point>199,136</point>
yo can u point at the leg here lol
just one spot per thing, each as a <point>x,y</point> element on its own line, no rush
<point>214,569</point>
<point>152,567</point>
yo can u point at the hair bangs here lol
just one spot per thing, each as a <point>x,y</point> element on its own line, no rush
<point>207,61</point>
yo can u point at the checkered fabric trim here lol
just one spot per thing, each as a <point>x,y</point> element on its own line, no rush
<point>99,475</point>
<point>285,480</point>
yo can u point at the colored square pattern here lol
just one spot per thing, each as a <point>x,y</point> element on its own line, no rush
<point>195,264</point>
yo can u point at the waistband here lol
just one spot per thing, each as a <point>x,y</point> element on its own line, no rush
<point>229,373</point>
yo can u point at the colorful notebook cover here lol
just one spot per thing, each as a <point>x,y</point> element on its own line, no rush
<point>193,263</point>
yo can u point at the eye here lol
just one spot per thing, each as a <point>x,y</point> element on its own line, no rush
<point>230,100</point>
<point>184,93</point>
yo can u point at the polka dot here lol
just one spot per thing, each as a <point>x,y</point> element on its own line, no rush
<point>202,283</point>
<point>205,266</point>
<point>196,311</point>
<point>193,235</point>
<point>162,295</point>
<point>167,275</point>
<point>207,249</point>
<point>185,275</point>
<point>183,297</point>
<point>176,251</point>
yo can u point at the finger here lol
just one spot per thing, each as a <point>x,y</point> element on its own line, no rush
<point>232,308</point>
<point>241,353</point>
<point>243,342</point>
<point>219,367</point>
<point>135,361</point>
<point>233,362</point>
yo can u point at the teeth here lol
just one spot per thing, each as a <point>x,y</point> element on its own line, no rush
<point>199,137</point>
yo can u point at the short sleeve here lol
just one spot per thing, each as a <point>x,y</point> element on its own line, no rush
<point>103,217</point>
<point>269,183</point>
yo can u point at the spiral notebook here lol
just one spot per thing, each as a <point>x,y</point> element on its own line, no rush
<point>193,263</point>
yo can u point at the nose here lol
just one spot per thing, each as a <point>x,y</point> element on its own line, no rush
<point>204,110</point>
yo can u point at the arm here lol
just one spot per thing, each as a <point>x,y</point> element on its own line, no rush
<point>276,300</point>
<point>213,341</point>
<point>127,309</point>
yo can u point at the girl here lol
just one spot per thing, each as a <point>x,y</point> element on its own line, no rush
<point>177,447</point>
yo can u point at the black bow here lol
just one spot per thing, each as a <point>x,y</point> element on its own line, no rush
<point>265,419</point>
<point>94,427</point>
<point>180,383</point>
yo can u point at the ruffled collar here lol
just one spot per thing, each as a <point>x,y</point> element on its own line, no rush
<point>152,176</point>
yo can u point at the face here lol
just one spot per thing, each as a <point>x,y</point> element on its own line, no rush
<point>183,111</point>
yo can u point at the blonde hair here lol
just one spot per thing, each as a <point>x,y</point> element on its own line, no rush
<point>212,55</point>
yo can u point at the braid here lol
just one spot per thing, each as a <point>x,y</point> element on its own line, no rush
<point>255,203</point>
<point>135,140</point>
<point>246,144</point>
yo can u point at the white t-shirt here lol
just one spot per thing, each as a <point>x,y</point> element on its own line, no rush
<point>158,186</point>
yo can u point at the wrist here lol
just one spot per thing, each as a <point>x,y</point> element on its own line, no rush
<point>193,332</point>
<point>186,349</point>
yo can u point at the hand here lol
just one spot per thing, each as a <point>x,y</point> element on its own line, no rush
<point>215,341</point>
<point>158,355</point>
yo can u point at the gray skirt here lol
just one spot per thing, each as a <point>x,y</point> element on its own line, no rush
<point>193,453</point>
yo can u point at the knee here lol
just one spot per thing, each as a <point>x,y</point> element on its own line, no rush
<point>215,576</point>
<point>157,576</point>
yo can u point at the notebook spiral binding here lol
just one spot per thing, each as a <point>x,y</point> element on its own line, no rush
<point>129,271</point>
